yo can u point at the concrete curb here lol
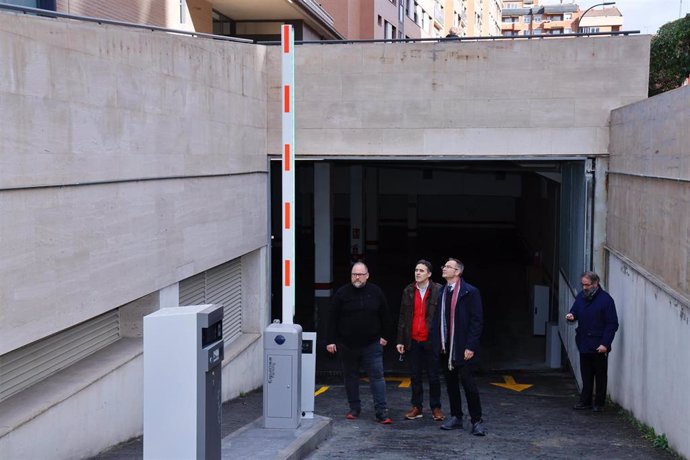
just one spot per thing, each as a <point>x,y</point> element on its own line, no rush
<point>253,440</point>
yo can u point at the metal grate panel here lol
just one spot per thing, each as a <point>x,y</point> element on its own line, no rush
<point>32,363</point>
<point>220,285</point>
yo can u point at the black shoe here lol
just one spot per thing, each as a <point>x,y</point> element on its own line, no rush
<point>582,406</point>
<point>478,428</point>
<point>452,423</point>
<point>597,409</point>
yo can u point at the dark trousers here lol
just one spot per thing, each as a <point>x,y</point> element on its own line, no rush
<point>370,357</point>
<point>464,374</point>
<point>421,358</point>
<point>594,368</point>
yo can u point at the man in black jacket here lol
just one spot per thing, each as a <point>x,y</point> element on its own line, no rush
<point>417,308</point>
<point>359,323</point>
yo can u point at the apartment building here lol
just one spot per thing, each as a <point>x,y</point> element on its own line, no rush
<point>256,20</point>
<point>529,17</point>
<point>400,19</point>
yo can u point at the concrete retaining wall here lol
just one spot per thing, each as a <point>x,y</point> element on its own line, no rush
<point>126,155</point>
<point>499,98</point>
<point>649,271</point>
<point>129,160</point>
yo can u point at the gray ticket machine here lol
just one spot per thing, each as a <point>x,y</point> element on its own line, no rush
<point>282,368</point>
<point>183,352</point>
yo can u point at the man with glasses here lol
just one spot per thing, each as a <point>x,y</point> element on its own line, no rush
<point>597,323</point>
<point>359,324</point>
<point>456,332</point>
<point>417,308</point>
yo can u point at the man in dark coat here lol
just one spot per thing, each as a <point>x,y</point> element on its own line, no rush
<point>417,307</point>
<point>455,336</point>
<point>358,329</point>
<point>597,323</point>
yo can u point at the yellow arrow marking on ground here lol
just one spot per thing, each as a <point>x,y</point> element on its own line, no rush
<point>323,389</point>
<point>511,384</point>
<point>405,382</point>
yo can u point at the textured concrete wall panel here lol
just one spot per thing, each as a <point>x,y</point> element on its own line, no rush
<point>537,97</point>
<point>649,197</point>
<point>86,103</point>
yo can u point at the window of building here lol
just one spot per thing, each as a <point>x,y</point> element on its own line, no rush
<point>183,11</point>
<point>537,18</point>
<point>401,12</point>
<point>567,16</point>
<point>589,30</point>
<point>41,4</point>
<point>555,17</point>
<point>390,32</point>
<point>526,19</point>
<point>536,32</point>
<point>567,30</point>
<point>380,20</point>
<point>222,25</point>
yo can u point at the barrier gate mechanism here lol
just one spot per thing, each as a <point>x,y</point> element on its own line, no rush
<point>183,353</point>
<point>308,373</point>
<point>282,365</point>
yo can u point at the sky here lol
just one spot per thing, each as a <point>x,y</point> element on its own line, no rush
<point>643,15</point>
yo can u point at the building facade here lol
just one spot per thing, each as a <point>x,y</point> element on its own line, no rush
<point>534,17</point>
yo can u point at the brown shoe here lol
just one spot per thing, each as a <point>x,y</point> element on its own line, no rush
<point>414,413</point>
<point>437,414</point>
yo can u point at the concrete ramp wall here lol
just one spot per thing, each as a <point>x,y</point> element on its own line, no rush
<point>468,99</point>
<point>649,261</point>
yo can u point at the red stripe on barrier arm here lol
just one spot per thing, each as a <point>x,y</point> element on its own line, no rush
<point>286,39</point>
<point>286,160</point>
<point>287,215</point>
<point>287,273</point>
<point>286,96</point>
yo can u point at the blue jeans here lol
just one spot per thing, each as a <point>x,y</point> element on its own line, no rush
<point>422,358</point>
<point>370,357</point>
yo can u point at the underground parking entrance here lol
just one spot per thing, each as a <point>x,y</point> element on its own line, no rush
<point>516,224</point>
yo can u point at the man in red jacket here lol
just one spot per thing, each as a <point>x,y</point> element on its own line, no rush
<point>417,307</point>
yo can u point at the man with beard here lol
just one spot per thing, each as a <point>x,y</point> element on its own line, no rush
<point>597,323</point>
<point>359,324</point>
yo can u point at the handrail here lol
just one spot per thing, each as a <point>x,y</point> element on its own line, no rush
<point>152,28</point>
<point>54,14</point>
<point>456,39</point>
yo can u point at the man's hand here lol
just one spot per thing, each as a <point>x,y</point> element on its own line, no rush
<point>383,342</point>
<point>570,317</point>
<point>468,354</point>
<point>331,348</point>
<point>401,348</point>
<point>602,349</point>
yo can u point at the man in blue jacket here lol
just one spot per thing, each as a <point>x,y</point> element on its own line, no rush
<point>455,335</point>
<point>597,323</point>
